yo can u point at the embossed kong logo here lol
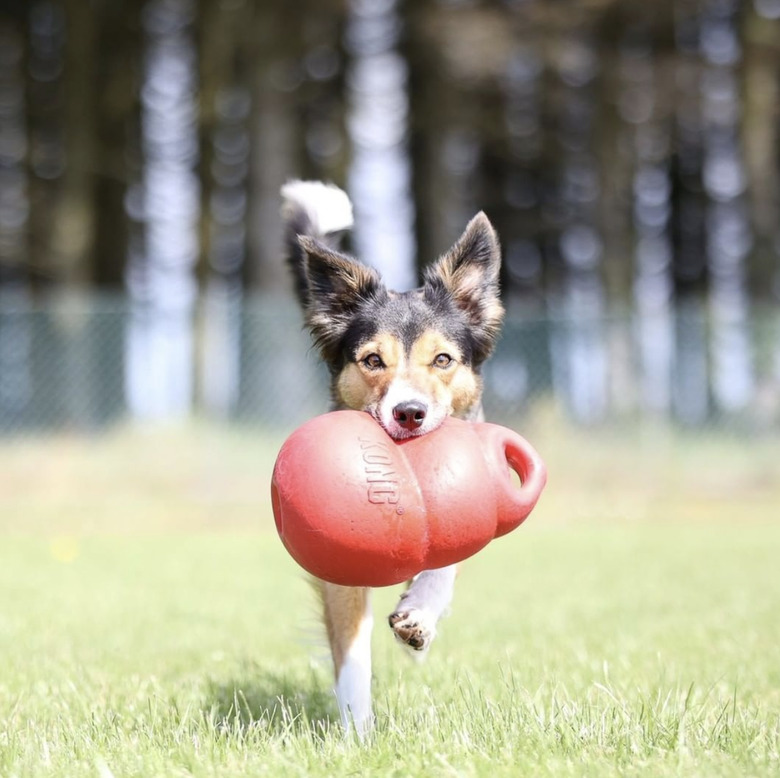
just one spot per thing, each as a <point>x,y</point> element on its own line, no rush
<point>381,478</point>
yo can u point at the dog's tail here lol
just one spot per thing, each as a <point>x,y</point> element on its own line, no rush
<point>317,210</point>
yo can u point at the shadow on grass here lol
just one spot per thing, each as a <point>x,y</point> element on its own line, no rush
<point>275,702</point>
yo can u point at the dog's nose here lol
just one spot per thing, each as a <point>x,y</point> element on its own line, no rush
<point>410,415</point>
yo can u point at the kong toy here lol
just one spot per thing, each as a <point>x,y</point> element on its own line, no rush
<point>355,507</point>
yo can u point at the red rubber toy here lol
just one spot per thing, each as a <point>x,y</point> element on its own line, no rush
<point>357,508</point>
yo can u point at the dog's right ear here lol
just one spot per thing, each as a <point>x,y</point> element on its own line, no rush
<point>337,285</point>
<point>468,273</point>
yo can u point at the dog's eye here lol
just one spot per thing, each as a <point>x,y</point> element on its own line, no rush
<point>373,362</point>
<point>442,360</point>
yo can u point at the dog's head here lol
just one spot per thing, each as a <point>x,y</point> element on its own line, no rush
<point>410,359</point>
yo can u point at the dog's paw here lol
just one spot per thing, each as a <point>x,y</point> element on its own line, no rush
<point>414,628</point>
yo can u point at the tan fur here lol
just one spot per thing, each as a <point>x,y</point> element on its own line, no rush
<point>455,388</point>
<point>465,281</point>
<point>387,346</point>
<point>464,284</point>
<point>344,608</point>
<point>358,387</point>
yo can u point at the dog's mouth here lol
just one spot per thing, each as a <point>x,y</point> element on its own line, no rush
<point>404,434</point>
<point>405,412</point>
<point>403,429</point>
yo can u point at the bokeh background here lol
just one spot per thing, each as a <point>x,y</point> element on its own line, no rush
<point>627,152</point>
<point>152,361</point>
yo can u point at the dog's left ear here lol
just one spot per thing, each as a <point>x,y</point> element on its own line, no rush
<point>336,287</point>
<point>469,273</point>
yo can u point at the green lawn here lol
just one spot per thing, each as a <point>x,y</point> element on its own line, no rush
<point>151,624</point>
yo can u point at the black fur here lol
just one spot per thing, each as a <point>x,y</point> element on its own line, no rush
<point>338,289</point>
<point>298,223</point>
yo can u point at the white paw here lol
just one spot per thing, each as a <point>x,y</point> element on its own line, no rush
<point>414,628</point>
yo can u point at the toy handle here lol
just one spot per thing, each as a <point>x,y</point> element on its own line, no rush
<point>515,503</point>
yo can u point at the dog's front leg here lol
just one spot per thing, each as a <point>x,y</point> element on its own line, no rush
<point>421,606</point>
<point>349,621</point>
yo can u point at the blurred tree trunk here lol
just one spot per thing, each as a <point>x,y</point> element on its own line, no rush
<point>445,143</point>
<point>761,127</point>
<point>380,174</point>
<point>296,131</point>
<point>74,231</point>
<point>62,134</point>
<point>16,379</point>
<point>14,147</point>
<point>729,230</point>
<point>296,127</point>
<point>645,86</point>
<point>115,78</point>
<point>164,204</point>
<point>276,138</point>
<point>225,102</point>
<point>62,142</point>
<point>46,33</point>
<point>519,163</point>
<point>575,242</point>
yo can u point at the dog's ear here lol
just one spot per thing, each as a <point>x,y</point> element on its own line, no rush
<point>469,274</point>
<point>337,285</point>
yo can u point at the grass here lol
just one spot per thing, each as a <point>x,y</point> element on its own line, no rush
<point>151,624</point>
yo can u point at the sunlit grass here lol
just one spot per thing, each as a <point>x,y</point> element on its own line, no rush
<point>151,623</point>
<point>568,652</point>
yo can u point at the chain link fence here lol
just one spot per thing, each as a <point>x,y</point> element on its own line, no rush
<point>89,363</point>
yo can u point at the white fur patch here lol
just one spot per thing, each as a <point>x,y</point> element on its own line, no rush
<point>402,392</point>
<point>353,686</point>
<point>328,206</point>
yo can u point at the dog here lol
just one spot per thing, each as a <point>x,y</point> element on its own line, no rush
<point>409,359</point>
